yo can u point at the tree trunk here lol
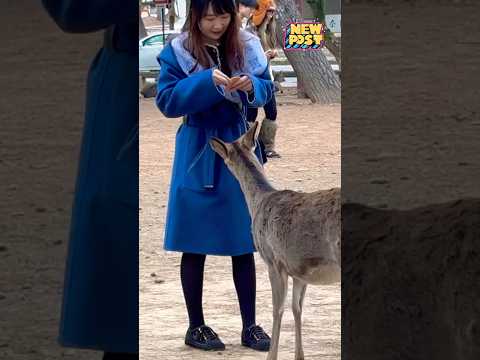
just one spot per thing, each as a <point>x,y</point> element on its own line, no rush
<point>320,83</point>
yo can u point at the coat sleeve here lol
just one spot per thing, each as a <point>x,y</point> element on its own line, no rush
<point>178,95</point>
<point>262,90</point>
<point>82,16</point>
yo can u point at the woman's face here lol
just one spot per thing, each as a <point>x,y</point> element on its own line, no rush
<point>245,11</point>
<point>214,26</point>
<point>270,14</point>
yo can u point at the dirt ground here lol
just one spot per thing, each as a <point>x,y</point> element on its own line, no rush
<point>410,109</point>
<point>309,142</point>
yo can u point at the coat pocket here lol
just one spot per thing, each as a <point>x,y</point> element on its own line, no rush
<point>199,173</point>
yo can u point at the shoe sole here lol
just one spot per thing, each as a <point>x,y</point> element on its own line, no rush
<point>257,349</point>
<point>200,347</point>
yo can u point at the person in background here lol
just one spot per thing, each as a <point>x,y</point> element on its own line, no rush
<point>210,74</point>
<point>172,15</point>
<point>263,23</point>
<point>245,10</point>
<point>100,297</point>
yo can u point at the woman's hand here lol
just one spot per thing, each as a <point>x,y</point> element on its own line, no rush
<point>219,78</point>
<point>243,84</point>
<point>231,84</point>
<point>271,54</point>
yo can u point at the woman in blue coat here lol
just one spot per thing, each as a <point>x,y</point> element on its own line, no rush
<point>210,75</point>
<point>100,298</point>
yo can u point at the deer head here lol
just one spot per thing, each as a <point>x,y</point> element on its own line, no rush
<point>239,153</point>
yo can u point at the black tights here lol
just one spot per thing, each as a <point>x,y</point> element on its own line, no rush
<point>191,273</point>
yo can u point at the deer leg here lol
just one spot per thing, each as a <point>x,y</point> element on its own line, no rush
<point>299,288</point>
<point>279,283</point>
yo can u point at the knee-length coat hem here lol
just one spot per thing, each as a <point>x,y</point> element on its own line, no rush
<point>194,250</point>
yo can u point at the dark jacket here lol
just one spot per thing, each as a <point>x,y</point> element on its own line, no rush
<point>100,299</point>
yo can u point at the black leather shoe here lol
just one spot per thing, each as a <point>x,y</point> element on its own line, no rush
<point>255,338</point>
<point>272,154</point>
<point>204,338</point>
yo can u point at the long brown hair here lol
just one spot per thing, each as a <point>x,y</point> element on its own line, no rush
<point>231,38</point>
<point>267,32</point>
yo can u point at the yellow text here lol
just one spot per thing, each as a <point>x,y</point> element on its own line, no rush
<point>306,29</point>
<point>308,40</point>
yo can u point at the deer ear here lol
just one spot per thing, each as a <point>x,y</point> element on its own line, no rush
<point>250,137</point>
<point>219,147</point>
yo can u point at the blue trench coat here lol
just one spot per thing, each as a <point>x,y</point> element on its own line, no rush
<point>100,298</point>
<point>207,212</point>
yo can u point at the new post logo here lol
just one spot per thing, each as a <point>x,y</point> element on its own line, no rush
<point>304,36</point>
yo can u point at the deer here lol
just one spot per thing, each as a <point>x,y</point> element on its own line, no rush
<point>297,234</point>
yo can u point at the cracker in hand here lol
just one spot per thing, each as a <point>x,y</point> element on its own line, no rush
<point>233,82</point>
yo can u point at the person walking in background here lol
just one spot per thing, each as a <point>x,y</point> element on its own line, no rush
<point>209,75</point>
<point>100,297</point>
<point>263,23</point>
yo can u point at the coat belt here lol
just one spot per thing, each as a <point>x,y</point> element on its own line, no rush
<point>207,157</point>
